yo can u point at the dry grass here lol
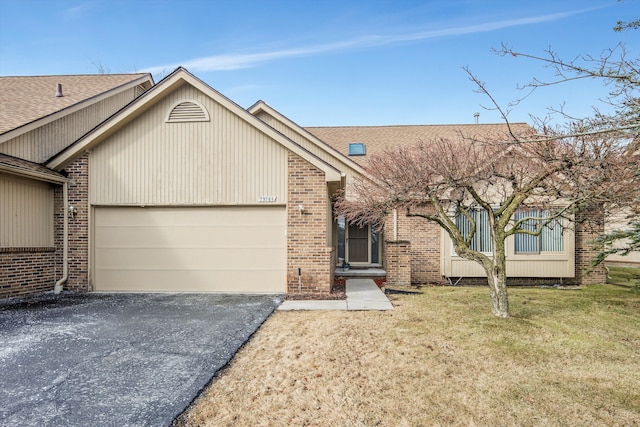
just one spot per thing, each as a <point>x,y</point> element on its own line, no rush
<point>566,357</point>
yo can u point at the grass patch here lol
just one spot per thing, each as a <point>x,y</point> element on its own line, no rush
<point>565,357</point>
<point>629,276</point>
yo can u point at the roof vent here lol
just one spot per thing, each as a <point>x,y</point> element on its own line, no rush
<point>59,90</point>
<point>187,110</point>
<point>476,116</point>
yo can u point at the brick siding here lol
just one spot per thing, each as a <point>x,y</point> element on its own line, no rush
<point>26,271</point>
<point>424,238</point>
<point>590,224</point>
<point>78,174</point>
<point>398,262</point>
<point>307,233</point>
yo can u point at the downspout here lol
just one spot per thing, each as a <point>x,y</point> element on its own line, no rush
<point>395,225</point>
<point>65,240</point>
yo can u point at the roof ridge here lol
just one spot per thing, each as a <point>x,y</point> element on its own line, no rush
<point>414,125</point>
<point>78,75</point>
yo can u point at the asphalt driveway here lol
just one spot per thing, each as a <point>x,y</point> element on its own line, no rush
<point>117,359</point>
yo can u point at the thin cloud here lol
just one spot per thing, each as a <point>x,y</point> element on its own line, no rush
<point>237,61</point>
<point>78,11</point>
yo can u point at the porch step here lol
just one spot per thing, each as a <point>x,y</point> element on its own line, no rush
<point>361,272</point>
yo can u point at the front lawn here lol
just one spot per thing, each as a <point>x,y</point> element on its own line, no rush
<point>628,276</point>
<point>565,357</point>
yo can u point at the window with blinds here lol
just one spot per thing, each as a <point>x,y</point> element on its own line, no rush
<point>481,240</point>
<point>549,233</point>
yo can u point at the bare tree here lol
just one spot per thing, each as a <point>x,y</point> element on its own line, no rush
<point>621,74</point>
<point>522,182</point>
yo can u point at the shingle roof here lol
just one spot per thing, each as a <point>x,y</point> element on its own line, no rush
<point>17,165</point>
<point>379,138</point>
<point>26,99</point>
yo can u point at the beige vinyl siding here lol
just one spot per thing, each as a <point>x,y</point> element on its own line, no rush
<point>555,265</point>
<point>190,249</point>
<point>44,142</point>
<point>222,161</point>
<point>620,223</point>
<point>26,213</point>
<point>138,90</point>
<point>303,141</point>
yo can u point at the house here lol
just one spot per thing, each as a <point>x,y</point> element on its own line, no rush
<point>39,116</point>
<point>123,185</point>
<point>557,255</point>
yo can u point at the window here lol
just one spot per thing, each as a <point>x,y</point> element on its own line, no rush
<point>341,237</point>
<point>375,249</point>
<point>550,238</point>
<point>481,240</point>
<point>357,149</point>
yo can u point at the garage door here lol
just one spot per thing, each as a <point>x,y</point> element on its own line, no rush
<point>196,249</point>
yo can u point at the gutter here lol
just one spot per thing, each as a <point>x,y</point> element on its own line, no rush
<point>39,176</point>
<point>65,241</point>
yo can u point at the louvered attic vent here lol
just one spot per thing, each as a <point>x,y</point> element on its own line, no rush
<point>187,111</point>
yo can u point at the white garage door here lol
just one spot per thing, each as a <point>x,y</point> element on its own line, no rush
<point>195,249</point>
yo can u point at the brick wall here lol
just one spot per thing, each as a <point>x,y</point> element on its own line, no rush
<point>589,226</point>
<point>78,174</point>
<point>398,265</point>
<point>424,238</point>
<point>26,271</point>
<point>306,234</point>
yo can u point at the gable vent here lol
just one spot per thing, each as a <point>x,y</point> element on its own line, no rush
<point>187,111</point>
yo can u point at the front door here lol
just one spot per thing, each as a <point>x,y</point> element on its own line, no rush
<point>358,244</point>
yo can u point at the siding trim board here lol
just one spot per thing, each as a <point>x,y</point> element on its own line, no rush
<point>26,169</point>
<point>18,250</point>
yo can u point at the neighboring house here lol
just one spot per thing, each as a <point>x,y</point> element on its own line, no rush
<point>557,255</point>
<point>174,187</point>
<point>39,117</point>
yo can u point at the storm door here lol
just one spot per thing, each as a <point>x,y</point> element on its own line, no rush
<point>358,244</point>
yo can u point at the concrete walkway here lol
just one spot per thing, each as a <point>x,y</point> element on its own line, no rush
<point>362,294</point>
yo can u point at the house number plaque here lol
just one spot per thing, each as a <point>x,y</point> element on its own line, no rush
<point>266,199</point>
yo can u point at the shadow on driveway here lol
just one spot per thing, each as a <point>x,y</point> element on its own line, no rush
<point>117,359</point>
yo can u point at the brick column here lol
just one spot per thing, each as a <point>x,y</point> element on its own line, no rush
<point>78,174</point>
<point>398,264</point>
<point>589,227</point>
<point>307,248</point>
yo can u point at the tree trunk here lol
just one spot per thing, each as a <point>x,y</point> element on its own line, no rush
<point>498,291</point>
<point>497,278</point>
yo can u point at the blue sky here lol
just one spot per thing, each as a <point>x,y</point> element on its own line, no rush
<point>327,63</point>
